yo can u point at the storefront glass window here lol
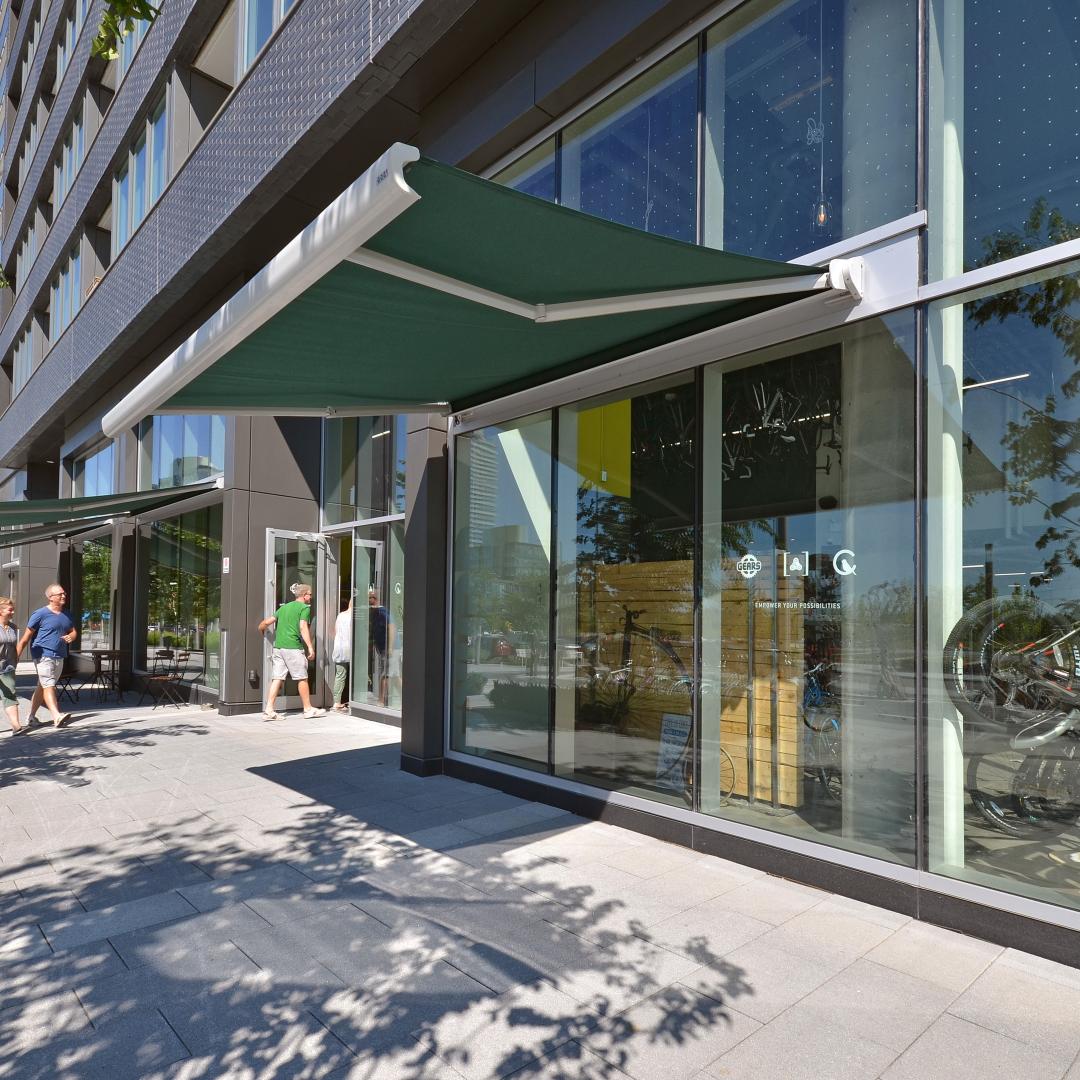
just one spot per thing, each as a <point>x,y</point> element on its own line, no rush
<point>378,615</point>
<point>1004,149</point>
<point>533,173</point>
<point>364,462</point>
<point>1003,586</point>
<point>501,606</point>
<point>94,474</point>
<point>180,595</point>
<point>625,640</point>
<point>809,123</point>
<point>808,583</point>
<point>633,158</point>
<point>178,450</point>
<point>92,585</point>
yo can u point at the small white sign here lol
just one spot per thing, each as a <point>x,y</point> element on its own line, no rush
<point>671,753</point>
<point>224,564</point>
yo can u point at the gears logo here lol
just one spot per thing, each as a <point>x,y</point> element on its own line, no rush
<point>749,566</point>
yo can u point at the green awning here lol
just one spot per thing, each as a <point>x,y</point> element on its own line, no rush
<point>88,512</point>
<point>423,286</point>
<point>59,530</point>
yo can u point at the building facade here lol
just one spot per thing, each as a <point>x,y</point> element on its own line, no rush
<point>750,589</point>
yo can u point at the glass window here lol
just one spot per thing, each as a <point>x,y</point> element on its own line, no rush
<point>808,585</point>
<point>533,173</point>
<point>259,26</point>
<point>378,614</point>
<point>624,649</point>
<point>138,182</point>
<point>364,460</point>
<point>501,605</point>
<point>180,595</point>
<point>633,158</point>
<point>1003,586</point>
<point>65,295</point>
<point>22,366</point>
<point>809,123</point>
<point>121,210</point>
<point>93,474</point>
<point>92,586</point>
<point>129,44</point>
<point>178,450</point>
<point>1004,159</point>
<point>159,150</point>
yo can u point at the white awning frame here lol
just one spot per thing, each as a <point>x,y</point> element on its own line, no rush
<point>339,233</point>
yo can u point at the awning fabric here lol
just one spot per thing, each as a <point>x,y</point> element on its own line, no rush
<point>424,286</point>
<point>64,516</point>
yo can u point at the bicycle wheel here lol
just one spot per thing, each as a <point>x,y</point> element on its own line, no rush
<point>725,775</point>
<point>825,762</point>
<point>1029,796</point>
<point>989,673</point>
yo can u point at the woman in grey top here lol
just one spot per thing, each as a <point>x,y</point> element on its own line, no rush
<point>9,636</point>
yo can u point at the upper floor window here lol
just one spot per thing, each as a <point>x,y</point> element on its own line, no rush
<point>260,19</point>
<point>27,252</point>
<point>69,35</point>
<point>29,146</point>
<point>93,474</point>
<point>71,156</point>
<point>177,450</point>
<point>22,363</point>
<point>32,39</point>
<point>140,180</point>
<point>129,45</point>
<point>66,294</point>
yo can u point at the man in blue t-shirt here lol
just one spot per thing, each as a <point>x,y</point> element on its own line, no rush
<point>51,630</point>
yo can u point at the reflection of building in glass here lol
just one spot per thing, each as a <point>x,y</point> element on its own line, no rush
<point>483,488</point>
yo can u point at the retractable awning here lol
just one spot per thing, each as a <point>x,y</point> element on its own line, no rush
<point>47,519</point>
<point>422,287</point>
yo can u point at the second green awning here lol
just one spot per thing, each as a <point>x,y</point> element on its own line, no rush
<point>74,513</point>
<point>423,286</point>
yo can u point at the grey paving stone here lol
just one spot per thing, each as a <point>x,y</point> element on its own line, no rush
<point>110,921</point>
<point>254,883</point>
<point>800,1048</point>
<point>496,1037</point>
<point>705,933</point>
<point>1033,1010</point>
<point>758,980</point>
<point>859,998</point>
<point>32,1024</point>
<point>22,943</point>
<point>937,955</point>
<point>25,980</point>
<point>570,1062</point>
<point>770,899</point>
<point>130,1048</point>
<point>137,882</point>
<point>691,884</point>
<point>955,1049</point>
<point>827,935</point>
<point>674,1034</point>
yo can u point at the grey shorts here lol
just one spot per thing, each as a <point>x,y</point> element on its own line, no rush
<point>49,669</point>
<point>284,662</point>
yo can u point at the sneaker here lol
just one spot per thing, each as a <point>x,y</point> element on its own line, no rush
<point>21,731</point>
<point>62,719</point>
<point>271,715</point>
<point>310,714</point>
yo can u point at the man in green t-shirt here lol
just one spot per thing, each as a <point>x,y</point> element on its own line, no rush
<point>292,649</point>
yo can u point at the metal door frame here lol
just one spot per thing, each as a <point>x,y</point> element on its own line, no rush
<point>324,593</point>
<point>379,547</point>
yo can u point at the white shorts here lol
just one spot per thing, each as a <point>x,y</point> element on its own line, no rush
<point>285,662</point>
<point>49,669</point>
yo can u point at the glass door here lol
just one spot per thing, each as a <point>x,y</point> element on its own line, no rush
<point>301,558</point>
<point>370,670</point>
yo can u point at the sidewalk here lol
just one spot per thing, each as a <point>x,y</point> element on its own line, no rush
<point>187,895</point>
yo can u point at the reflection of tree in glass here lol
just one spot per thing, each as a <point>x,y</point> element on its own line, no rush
<point>1043,445</point>
<point>96,580</point>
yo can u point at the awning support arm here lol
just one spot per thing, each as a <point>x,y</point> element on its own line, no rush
<point>844,276</point>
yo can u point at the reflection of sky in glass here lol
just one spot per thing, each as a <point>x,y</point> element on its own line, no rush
<point>1002,349</point>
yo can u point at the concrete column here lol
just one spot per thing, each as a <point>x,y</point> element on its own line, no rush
<point>423,688</point>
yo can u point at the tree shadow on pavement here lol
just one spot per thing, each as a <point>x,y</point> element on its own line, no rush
<point>332,916</point>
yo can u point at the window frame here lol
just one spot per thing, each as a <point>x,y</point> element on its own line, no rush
<point>139,159</point>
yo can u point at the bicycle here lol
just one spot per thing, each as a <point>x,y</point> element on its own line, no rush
<point>650,665</point>
<point>820,715</point>
<point>1012,670</point>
